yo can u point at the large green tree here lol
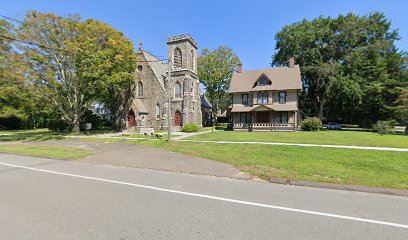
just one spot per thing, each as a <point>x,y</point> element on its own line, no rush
<point>215,70</point>
<point>402,102</point>
<point>351,69</point>
<point>14,94</point>
<point>73,62</point>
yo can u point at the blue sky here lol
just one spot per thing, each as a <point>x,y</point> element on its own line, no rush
<point>248,27</point>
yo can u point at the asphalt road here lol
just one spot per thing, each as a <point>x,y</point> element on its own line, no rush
<point>52,199</point>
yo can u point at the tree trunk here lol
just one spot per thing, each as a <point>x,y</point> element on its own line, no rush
<point>118,119</point>
<point>321,103</point>
<point>76,123</point>
<point>122,104</point>
<point>406,130</point>
<point>320,112</point>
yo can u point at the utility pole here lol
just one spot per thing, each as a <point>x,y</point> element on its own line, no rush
<point>169,101</point>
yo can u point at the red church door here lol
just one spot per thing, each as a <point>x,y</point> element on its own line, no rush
<point>131,119</point>
<point>177,118</point>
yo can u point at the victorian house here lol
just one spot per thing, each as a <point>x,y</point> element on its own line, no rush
<point>266,99</point>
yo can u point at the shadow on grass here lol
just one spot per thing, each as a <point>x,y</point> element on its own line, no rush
<point>44,134</point>
<point>33,136</point>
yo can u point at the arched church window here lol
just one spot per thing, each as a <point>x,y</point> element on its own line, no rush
<point>157,110</point>
<point>177,92</point>
<point>178,58</point>
<point>140,89</point>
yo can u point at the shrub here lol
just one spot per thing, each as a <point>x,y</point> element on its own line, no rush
<point>11,122</point>
<point>57,125</point>
<point>383,127</point>
<point>190,127</point>
<point>311,124</point>
<point>89,117</point>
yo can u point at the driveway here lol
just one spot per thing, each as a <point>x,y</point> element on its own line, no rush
<point>53,199</point>
<point>135,155</point>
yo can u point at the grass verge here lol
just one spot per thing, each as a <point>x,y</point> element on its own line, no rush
<point>31,135</point>
<point>356,138</point>
<point>344,166</point>
<point>46,151</point>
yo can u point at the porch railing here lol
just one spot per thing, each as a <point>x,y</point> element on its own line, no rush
<point>264,125</point>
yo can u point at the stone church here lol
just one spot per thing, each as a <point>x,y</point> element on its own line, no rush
<point>148,108</point>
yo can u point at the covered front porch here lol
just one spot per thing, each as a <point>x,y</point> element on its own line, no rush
<point>263,118</point>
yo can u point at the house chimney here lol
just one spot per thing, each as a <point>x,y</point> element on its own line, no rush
<point>291,62</point>
<point>239,68</point>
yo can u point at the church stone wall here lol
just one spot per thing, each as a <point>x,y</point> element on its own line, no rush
<point>189,104</point>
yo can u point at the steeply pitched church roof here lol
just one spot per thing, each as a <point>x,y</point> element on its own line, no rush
<point>139,105</point>
<point>159,68</point>
<point>283,78</point>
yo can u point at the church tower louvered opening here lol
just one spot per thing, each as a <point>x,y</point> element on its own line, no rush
<point>178,59</point>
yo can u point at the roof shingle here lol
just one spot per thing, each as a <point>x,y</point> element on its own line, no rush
<point>282,78</point>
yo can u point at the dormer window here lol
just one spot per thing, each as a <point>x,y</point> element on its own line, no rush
<point>263,81</point>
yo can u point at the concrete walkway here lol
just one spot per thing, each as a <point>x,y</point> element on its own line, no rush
<point>186,135</point>
<point>180,136</point>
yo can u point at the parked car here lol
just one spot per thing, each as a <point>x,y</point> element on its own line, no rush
<point>333,126</point>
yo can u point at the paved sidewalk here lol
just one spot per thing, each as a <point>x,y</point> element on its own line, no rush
<point>186,135</point>
<point>181,137</point>
<point>303,145</point>
<point>140,156</point>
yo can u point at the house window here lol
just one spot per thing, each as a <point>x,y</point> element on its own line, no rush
<point>157,110</point>
<point>244,98</point>
<point>177,58</point>
<point>282,97</point>
<point>139,68</point>
<point>244,117</point>
<point>140,89</point>
<point>177,92</point>
<point>262,97</point>
<point>282,117</point>
<point>263,81</point>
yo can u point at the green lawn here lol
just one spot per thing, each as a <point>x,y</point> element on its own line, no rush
<point>46,151</point>
<point>358,138</point>
<point>42,135</point>
<point>345,166</point>
<point>30,135</point>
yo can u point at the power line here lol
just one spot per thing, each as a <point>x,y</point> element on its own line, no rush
<point>31,43</point>
<point>55,49</point>
<point>11,19</point>
<point>61,50</point>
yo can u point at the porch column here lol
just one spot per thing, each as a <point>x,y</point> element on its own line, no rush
<point>274,122</point>
<point>270,119</point>
<point>252,121</point>
<point>295,121</point>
